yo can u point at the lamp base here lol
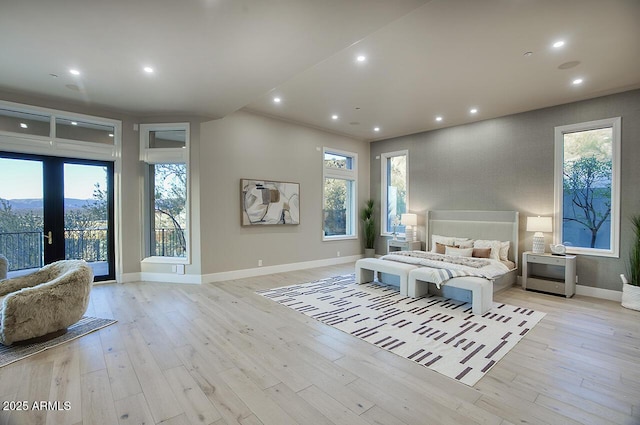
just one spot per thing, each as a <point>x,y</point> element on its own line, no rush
<point>538,244</point>
<point>409,234</point>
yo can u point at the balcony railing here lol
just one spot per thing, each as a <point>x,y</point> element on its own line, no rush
<point>25,250</point>
<point>169,243</point>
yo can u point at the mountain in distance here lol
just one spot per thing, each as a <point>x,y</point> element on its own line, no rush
<point>19,205</point>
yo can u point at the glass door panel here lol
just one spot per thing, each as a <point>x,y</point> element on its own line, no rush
<point>21,214</point>
<point>86,215</point>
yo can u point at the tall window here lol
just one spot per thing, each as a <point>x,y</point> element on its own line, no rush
<point>164,148</point>
<point>394,191</point>
<point>339,194</point>
<point>587,189</point>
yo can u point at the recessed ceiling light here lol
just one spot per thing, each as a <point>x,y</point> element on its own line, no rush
<point>438,119</point>
<point>148,69</point>
<point>23,125</point>
<point>361,58</point>
<point>577,81</point>
<point>473,110</point>
<point>558,44</point>
<point>376,129</point>
<point>74,71</point>
<point>277,100</point>
<point>74,123</point>
<point>110,134</point>
<point>334,117</point>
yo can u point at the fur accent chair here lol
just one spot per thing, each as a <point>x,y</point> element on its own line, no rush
<point>48,300</point>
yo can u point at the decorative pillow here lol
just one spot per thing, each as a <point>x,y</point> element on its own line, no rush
<point>504,250</point>
<point>458,252</point>
<point>444,240</point>
<point>441,248</point>
<point>464,243</point>
<point>494,245</point>
<point>481,252</point>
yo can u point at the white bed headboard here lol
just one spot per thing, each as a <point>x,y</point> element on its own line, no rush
<point>499,225</point>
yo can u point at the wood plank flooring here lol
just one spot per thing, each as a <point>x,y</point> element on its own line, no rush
<point>220,354</point>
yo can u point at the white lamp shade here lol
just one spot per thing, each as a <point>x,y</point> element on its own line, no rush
<point>409,220</point>
<point>539,224</point>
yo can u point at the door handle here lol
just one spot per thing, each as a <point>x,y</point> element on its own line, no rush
<point>49,237</point>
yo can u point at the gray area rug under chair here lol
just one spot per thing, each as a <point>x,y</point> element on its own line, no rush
<point>438,333</point>
<point>18,351</point>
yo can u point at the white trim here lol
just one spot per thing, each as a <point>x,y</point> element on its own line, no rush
<point>128,277</point>
<point>616,141</point>
<point>605,294</point>
<point>280,268</point>
<point>384,184</point>
<point>165,260</point>
<point>233,274</point>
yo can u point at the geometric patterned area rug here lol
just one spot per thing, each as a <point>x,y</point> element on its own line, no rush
<point>438,333</point>
<point>86,325</point>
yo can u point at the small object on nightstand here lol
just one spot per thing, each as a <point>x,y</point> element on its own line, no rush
<point>558,249</point>
<point>394,245</point>
<point>549,273</point>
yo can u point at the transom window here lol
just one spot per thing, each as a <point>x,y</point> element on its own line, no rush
<point>587,190</point>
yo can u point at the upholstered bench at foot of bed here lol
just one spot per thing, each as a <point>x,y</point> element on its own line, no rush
<point>481,289</point>
<point>366,267</point>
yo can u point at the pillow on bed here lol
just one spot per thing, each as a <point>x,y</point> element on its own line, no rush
<point>444,240</point>
<point>458,252</point>
<point>441,248</point>
<point>464,243</point>
<point>504,250</point>
<point>481,252</point>
<point>494,245</point>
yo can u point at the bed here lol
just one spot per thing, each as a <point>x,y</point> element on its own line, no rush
<point>459,225</point>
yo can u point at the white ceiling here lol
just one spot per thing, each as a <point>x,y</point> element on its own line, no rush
<point>424,58</point>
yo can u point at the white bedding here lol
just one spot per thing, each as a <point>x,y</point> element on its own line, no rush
<point>492,270</point>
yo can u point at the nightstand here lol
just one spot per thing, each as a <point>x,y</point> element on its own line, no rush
<point>555,274</point>
<point>398,245</point>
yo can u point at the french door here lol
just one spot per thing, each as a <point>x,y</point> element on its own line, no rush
<point>55,208</point>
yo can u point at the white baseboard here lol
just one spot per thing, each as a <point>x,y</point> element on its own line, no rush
<point>233,274</point>
<point>605,294</point>
<point>280,268</point>
<point>128,277</point>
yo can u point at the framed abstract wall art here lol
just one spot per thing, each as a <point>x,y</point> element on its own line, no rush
<point>265,202</point>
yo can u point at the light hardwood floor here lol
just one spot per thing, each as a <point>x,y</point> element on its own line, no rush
<point>220,354</point>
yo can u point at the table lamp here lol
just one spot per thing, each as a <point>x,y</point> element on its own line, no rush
<point>539,225</point>
<point>410,221</point>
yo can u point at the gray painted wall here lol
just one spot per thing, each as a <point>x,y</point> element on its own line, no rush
<point>507,164</point>
<point>246,145</point>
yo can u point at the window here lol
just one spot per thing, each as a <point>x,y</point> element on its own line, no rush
<point>587,189</point>
<point>339,194</point>
<point>164,150</point>
<point>395,193</point>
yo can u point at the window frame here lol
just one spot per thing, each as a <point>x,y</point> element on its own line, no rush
<point>342,174</point>
<point>560,131</point>
<point>153,156</point>
<point>384,208</point>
